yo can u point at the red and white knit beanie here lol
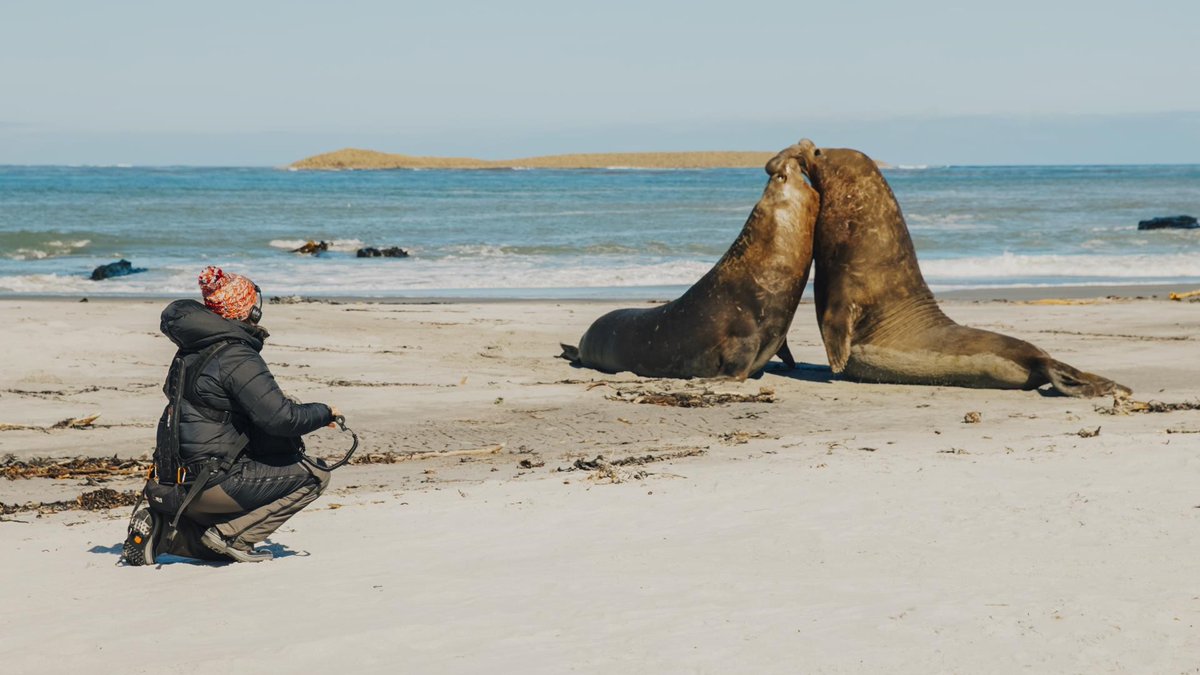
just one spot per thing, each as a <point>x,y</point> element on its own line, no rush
<point>230,295</point>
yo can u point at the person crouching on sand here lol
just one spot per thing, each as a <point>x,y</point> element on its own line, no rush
<point>233,434</point>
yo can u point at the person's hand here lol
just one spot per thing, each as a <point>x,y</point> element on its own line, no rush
<point>335,413</point>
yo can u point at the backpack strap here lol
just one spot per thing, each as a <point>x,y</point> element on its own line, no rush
<point>211,466</point>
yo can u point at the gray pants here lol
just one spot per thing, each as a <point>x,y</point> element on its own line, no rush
<point>249,503</point>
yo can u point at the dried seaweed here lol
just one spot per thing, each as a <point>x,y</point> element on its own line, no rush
<point>600,463</point>
<point>397,457</point>
<point>741,437</point>
<point>81,467</point>
<point>1126,406</point>
<point>96,500</point>
<point>690,398</point>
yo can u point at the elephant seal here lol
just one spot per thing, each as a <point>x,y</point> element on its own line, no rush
<point>878,318</point>
<point>737,315</point>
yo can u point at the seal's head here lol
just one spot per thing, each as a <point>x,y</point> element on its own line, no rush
<point>856,201</point>
<point>787,186</point>
<point>837,168</point>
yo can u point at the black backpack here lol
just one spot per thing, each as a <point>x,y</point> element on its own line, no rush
<point>169,467</point>
<point>174,483</point>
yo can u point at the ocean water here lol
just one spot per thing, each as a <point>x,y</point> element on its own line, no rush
<point>545,233</point>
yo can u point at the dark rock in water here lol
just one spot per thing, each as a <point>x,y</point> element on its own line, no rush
<point>1169,222</point>
<point>117,269</point>
<point>391,252</point>
<point>313,248</point>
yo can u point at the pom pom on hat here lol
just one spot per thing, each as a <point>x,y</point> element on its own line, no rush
<point>230,295</point>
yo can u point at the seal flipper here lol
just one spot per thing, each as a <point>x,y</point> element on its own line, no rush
<point>785,355</point>
<point>837,330</point>
<point>1074,382</point>
<point>569,353</point>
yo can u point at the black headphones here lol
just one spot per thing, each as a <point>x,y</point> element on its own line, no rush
<point>256,310</point>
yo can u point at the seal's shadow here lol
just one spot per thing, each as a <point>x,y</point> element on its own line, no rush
<point>807,372</point>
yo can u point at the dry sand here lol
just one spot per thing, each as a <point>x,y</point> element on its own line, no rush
<point>842,528</point>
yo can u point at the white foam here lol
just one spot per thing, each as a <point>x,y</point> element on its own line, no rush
<point>78,243</point>
<point>345,245</point>
<point>1015,266</point>
<point>489,270</point>
<point>289,244</point>
<point>52,249</point>
<point>395,276</point>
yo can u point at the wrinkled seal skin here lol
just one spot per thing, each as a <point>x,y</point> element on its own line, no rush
<point>736,317</point>
<point>878,318</point>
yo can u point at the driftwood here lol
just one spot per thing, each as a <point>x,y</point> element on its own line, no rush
<point>84,422</point>
<point>1185,296</point>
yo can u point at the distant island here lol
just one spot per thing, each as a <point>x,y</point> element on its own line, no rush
<point>353,158</point>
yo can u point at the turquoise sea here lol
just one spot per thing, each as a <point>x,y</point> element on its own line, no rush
<point>545,233</point>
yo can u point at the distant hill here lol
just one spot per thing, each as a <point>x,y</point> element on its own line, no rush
<point>352,158</point>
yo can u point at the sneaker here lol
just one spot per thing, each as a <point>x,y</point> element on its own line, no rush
<point>215,542</point>
<point>144,528</point>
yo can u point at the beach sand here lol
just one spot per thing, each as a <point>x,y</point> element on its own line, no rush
<point>843,527</point>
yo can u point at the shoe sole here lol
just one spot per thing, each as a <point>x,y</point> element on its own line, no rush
<point>217,545</point>
<point>139,543</point>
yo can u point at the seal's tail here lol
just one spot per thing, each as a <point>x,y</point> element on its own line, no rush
<point>569,353</point>
<point>1074,382</point>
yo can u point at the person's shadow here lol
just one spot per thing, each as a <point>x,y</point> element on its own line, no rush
<point>277,550</point>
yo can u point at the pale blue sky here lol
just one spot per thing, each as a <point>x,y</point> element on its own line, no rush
<point>265,83</point>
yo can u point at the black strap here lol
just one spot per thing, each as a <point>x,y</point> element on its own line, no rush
<point>211,466</point>
<point>320,464</point>
<point>136,505</point>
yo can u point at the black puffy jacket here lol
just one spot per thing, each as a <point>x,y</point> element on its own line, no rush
<point>245,406</point>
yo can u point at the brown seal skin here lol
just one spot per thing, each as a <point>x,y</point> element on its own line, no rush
<point>736,316</point>
<point>878,318</point>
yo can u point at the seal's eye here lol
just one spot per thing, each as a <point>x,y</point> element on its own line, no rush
<point>817,153</point>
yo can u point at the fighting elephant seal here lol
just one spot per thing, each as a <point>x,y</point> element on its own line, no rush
<point>878,318</point>
<point>736,316</point>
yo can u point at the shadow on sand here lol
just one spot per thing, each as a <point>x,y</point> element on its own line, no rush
<point>806,372</point>
<point>277,550</point>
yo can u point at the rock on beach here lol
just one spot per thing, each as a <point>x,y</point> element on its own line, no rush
<point>390,252</point>
<point>115,269</point>
<point>1169,222</point>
